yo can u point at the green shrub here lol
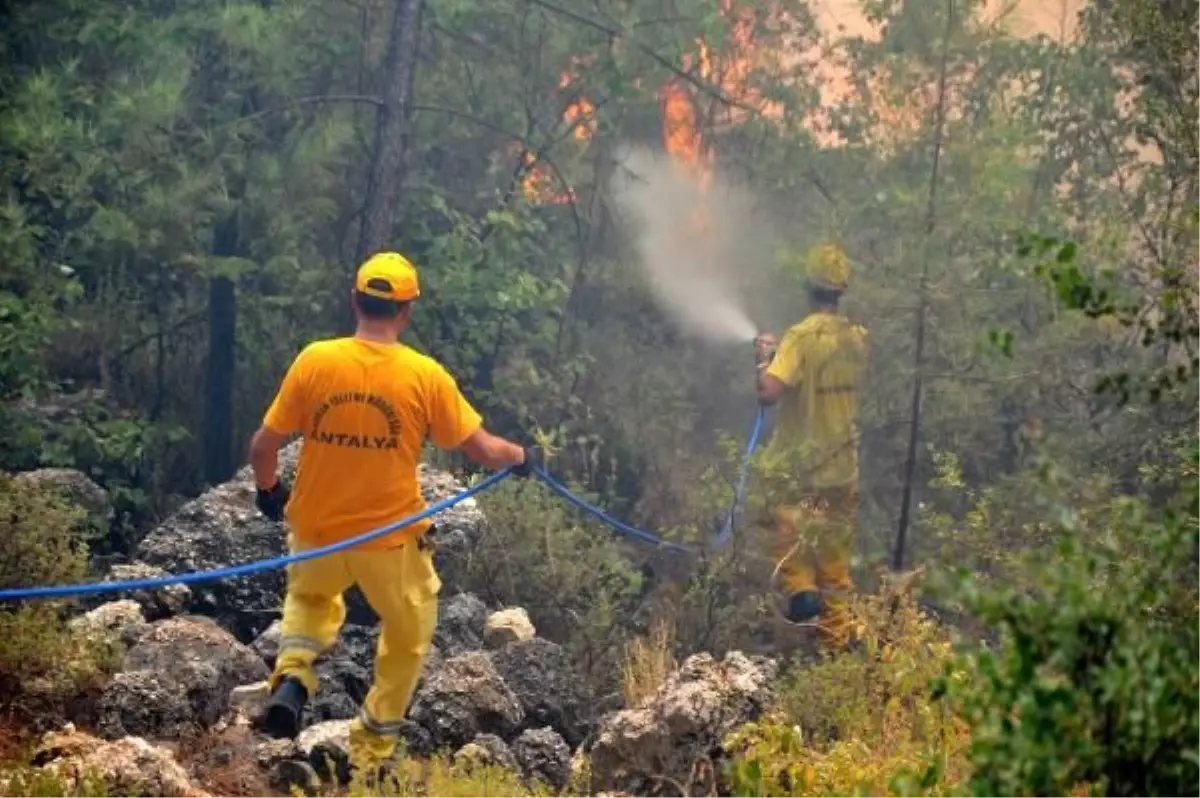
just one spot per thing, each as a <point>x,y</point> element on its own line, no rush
<point>862,721</point>
<point>39,546</point>
<point>440,776</point>
<point>578,586</point>
<point>1094,685</point>
<point>22,780</point>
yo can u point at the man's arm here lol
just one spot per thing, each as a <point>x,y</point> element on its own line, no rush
<point>264,456</point>
<point>492,451</point>
<point>454,424</point>
<point>282,420</point>
<point>770,387</point>
<point>778,366</point>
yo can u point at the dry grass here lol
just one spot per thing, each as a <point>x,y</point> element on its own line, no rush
<point>647,663</point>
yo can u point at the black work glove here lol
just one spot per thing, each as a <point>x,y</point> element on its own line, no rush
<point>271,501</point>
<point>534,458</point>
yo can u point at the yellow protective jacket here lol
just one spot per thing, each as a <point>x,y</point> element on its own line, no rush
<point>821,360</point>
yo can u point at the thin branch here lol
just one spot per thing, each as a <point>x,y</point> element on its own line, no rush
<point>469,117</point>
<point>316,99</point>
<point>914,430</point>
<point>171,329</point>
<point>704,86</point>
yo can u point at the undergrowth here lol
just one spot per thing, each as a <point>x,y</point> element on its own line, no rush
<point>648,661</point>
<point>442,776</point>
<point>22,780</point>
<point>861,721</point>
<point>44,664</point>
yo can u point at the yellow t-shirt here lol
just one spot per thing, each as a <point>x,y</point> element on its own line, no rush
<point>364,409</point>
<point>821,360</point>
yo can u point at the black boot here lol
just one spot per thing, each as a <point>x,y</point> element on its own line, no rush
<point>804,606</point>
<point>282,716</point>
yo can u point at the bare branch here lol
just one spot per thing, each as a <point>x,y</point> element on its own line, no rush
<point>914,430</point>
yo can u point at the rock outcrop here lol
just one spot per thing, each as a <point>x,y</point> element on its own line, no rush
<point>176,679</point>
<point>78,489</point>
<point>507,626</point>
<point>540,674</point>
<point>129,766</point>
<point>543,756</point>
<point>487,749</point>
<point>157,603</point>
<point>652,748</point>
<point>461,621</point>
<point>122,619</point>
<point>463,698</point>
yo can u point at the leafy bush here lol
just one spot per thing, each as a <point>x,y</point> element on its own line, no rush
<point>1095,683</point>
<point>39,545</point>
<point>578,587</point>
<point>860,721</point>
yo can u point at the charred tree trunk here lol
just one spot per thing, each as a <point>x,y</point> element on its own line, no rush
<point>219,462</point>
<point>391,130</point>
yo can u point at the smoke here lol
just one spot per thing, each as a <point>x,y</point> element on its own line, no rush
<point>696,245</point>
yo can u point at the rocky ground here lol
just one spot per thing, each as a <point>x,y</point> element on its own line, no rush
<point>492,691</point>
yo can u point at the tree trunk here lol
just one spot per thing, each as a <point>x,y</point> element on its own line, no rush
<point>914,426</point>
<point>391,131</point>
<point>219,462</point>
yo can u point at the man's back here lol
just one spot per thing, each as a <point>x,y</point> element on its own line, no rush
<point>821,360</point>
<point>365,410</point>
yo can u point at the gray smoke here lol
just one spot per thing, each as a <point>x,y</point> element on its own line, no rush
<point>695,246</point>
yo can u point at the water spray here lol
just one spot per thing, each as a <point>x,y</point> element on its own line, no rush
<point>695,243</point>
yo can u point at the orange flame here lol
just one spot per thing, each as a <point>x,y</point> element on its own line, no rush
<point>539,184</point>
<point>683,104</point>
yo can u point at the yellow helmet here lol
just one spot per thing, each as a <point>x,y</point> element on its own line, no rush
<point>827,267</point>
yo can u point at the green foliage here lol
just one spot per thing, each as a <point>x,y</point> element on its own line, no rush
<point>441,776</point>
<point>39,655</point>
<point>573,579</point>
<point>22,780</point>
<point>1094,681</point>
<point>861,722</point>
<point>130,458</point>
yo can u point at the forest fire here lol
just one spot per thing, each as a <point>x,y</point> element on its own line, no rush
<point>538,182</point>
<point>687,109</point>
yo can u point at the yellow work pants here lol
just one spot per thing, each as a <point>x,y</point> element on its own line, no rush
<point>810,547</point>
<point>402,586</point>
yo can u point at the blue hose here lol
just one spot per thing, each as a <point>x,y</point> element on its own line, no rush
<point>245,569</point>
<point>620,526</point>
<point>726,533</point>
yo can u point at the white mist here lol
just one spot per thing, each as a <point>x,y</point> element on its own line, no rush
<point>692,242</point>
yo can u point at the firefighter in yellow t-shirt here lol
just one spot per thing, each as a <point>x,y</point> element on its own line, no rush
<point>810,466</point>
<point>364,405</point>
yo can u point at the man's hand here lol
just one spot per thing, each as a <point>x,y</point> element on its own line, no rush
<point>534,458</point>
<point>764,348</point>
<point>271,501</point>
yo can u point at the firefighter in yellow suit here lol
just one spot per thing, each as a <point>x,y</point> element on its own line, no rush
<point>364,405</point>
<point>810,466</point>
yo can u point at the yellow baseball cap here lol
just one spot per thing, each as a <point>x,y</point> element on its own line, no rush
<point>388,275</point>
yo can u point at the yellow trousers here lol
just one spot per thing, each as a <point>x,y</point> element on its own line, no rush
<point>811,543</point>
<point>402,586</point>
